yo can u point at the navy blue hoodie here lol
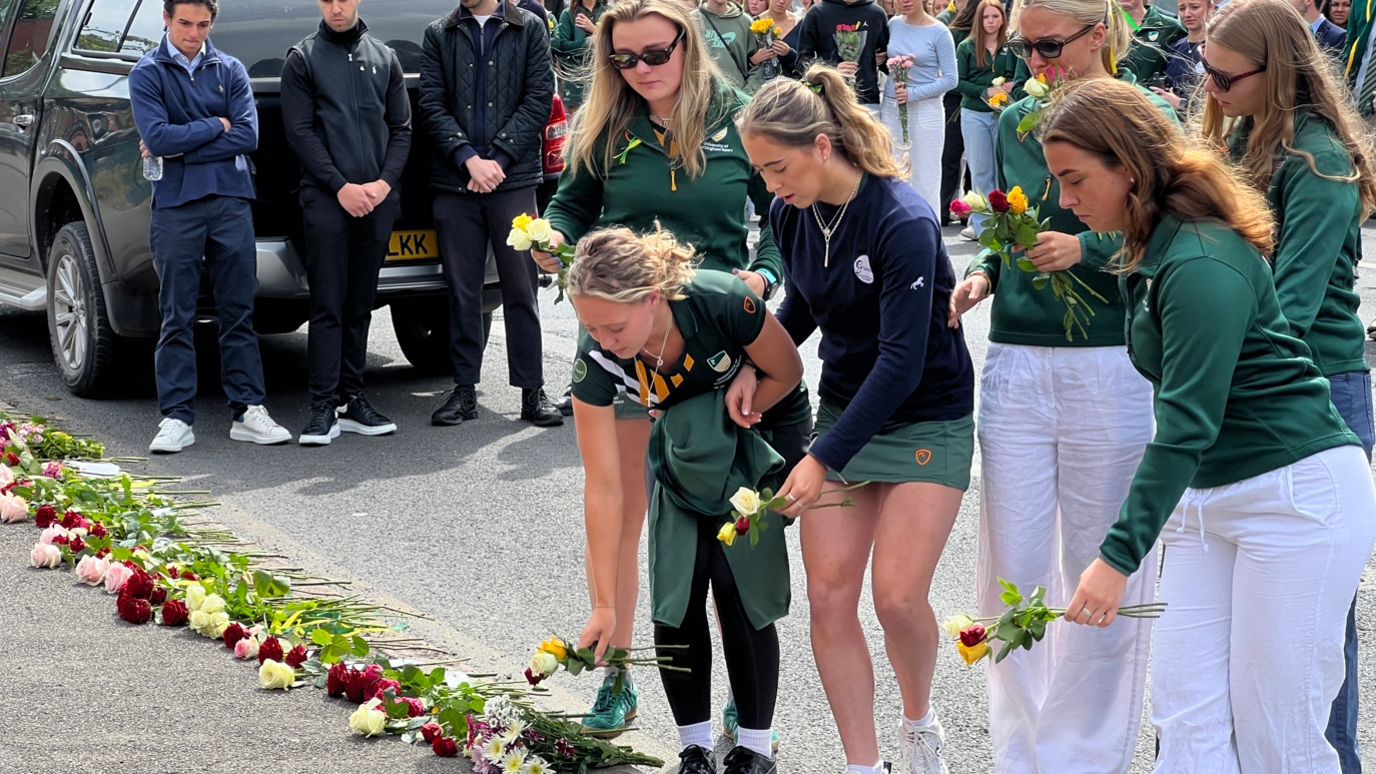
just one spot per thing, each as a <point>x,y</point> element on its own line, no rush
<point>179,113</point>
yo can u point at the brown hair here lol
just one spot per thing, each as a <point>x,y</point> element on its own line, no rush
<point>1299,77</point>
<point>1117,124</point>
<point>616,264</point>
<point>1000,37</point>
<point>792,113</point>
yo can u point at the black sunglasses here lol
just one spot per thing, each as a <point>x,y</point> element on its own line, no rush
<point>653,58</point>
<point>1222,80</point>
<point>1049,48</point>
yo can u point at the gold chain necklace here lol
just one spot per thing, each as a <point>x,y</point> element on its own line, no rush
<point>828,229</point>
<point>659,359</point>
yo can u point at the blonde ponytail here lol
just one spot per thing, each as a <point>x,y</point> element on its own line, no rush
<point>618,265</point>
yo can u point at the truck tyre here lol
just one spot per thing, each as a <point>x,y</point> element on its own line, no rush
<point>422,329</point>
<point>79,329</point>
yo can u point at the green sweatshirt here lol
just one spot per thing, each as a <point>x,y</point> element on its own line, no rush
<point>1235,394</point>
<point>975,80</point>
<point>572,46</point>
<point>1151,44</point>
<point>731,44</point>
<point>1023,314</point>
<point>1318,222</point>
<point>641,188</point>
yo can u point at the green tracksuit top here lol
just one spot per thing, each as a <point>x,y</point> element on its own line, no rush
<point>1235,394</point>
<point>731,44</point>
<point>975,80</point>
<point>572,46</point>
<point>642,186</point>
<point>1318,224</point>
<point>1151,44</point>
<point>1021,313</point>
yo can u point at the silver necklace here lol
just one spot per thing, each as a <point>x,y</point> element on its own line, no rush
<point>659,359</point>
<point>829,228</point>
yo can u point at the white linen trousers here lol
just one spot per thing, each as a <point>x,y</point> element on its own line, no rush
<point>926,141</point>
<point>1061,431</point>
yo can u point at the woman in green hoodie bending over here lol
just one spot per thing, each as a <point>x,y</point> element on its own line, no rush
<point>1264,495</point>
<point>1063,420</point>
<point>1292,130</point>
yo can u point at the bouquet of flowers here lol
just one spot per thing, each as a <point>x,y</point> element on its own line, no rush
<point>506,737</point>
<point>554,653</point>
<point>750,507</point>
<point>850,44</point>
<point>1012,225</point>
<point>765,30</point>
<point>898,70</point>
<point>1000,100</point>
<point>534,233</point>
<point>1023,623</point>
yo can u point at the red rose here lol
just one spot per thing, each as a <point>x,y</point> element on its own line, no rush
<point>233,634</point>
<point>444,747</point>
<point>416,709</point>
<point>102,553</point>
<point>334,681</point>
<point>158,597</point>
<point>742,525</point>
<point>972,636</point>
<point>190,576</point>
<point>270,649</point>
<point>12,459</point>
<point>77,545</point>
<point>61,540</point>
<point>133,609</point>
<point>173,571</point>
<point>98,530</point>
<point>44,516</point>
<point>71,520</point>
<point>174,613</point>
<point>140,585</point>
<point>296,657</point>
<point>360,686</point>
<point>998,201</point>
<point>533,678</point>
<point>431,731</point>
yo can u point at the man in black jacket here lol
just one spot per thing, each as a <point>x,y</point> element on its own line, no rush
<point>347,117</point>
<point>486,91</point>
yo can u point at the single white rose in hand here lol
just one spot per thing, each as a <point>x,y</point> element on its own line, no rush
<point>746,501</point>
<point>539,231</point>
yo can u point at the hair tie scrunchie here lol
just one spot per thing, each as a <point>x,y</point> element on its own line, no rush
<point>816,86</point>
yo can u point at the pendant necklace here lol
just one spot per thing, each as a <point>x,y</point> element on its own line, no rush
<point>659,359</point>
<point>829,229</point>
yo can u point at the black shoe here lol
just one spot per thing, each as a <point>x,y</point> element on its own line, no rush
<point>357,416</point>
<point>538,408</point>
<point>697,760</point>
<point>323,427</point>
<point>742,760</point>
<point>566,403</point>
<point>460,406</point>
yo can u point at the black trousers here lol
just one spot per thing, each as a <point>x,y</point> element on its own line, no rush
<point>951,155</point>
<point>467,224</point>
<point>343,257</point>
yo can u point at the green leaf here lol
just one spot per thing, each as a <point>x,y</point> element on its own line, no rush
<point>321,637</point>
<point>121,554</point>
<point>1026,264</point>
<point>1039,283</point>
<point>437,676</point>
<point>1003,652</point>
<point>453,720</point>
<point>360,646</point>
<point>269,586</point>
<point>1010,597</point>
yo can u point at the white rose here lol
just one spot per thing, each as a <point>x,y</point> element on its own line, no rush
<point>368,720</point>
<point>518,240</point>
<point>539,231</point>
<point>976,201</point>
<point>198,621</point>
<point>544,664</point>
<point>999,81</point>
<point>957,624</point>
<point>1036,88</point>
<point>216,625</point>
<point>195,596</point>
<point>213,603</point>
<point>273,675</point>
<point>746,501</point>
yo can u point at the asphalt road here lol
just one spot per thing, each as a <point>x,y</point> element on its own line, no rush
<point>481,525</point>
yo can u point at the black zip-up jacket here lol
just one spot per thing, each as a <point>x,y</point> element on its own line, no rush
<point>518,89</point>
<point>818,40</point>
<point>345,109</point>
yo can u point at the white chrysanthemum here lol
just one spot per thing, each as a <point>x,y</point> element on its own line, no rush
<point>536,765</point>
<point>493,750</point>
<point>513,761</point>
<point>513,732</point>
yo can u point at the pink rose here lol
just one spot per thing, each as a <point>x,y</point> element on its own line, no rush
<point>53,470</point>
<point>116,576</point>
<point>246,648</point>
<point>13,508</point>
<point>91,570</point>
<point>51,535</point>
<point>6,475</point>
<point>45,556</point>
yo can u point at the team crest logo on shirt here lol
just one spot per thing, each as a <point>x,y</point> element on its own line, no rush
<point>720,362</point>
<point>863,270</point>
<point>924,456</point>
<point>749,305</point>
<point>580,370</point>
<point>719,136</point>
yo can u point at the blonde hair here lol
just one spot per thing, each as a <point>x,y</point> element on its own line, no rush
<point>1299,77</point>
<point>792,113</point>
<point>616,264</point>
<point>1119,125</point>
<point>611,102</point>
<point>1105,12</point>
<point>1001,37</point>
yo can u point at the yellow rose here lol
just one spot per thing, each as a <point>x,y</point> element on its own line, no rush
<point>539,231</point>
<point>956,624</point>
<point>555,647</point>
<point>1017,201</point>
<point>728,533</point>
<point>746,501</point>
<point>368,720</point>
<point>971,655</point>
<point>521,222</point>
<point>518,240</point>
<point>778,31</point>
<point>274,674</point>
<point>544,664</point>
<point>998,100</point>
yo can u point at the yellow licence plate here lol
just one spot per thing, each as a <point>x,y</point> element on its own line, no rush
<point>413,245</point>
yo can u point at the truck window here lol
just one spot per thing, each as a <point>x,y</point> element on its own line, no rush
<point>104,26</point>
<point>145,30</point>
<point>29,41</point>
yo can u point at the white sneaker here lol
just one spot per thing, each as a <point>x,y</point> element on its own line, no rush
<point>919,749</point>
<point>258,427</point>
<point>969,233</point>
<point>173,436</point>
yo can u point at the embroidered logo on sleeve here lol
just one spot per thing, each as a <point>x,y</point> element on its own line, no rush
<point>750,307</point>
<point>580,370</point>
<point>920,283</point>
<point>863,271</point>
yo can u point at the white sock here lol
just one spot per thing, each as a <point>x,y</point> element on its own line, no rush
<point>756,740</point>
<point>611,672</point>
<point>699,734</point>
<point>926,721</point>
<point>855,768</point>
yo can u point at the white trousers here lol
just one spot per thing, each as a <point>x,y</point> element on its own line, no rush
<point>926,140</point>
<point>1061,431</point>
<point>1258,579</point>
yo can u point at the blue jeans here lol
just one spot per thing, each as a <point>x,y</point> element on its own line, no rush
<point>1352,397</point>
<point>214,235</point>
<point>979,130</point>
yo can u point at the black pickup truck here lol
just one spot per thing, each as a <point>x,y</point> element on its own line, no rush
<point>74,206</point>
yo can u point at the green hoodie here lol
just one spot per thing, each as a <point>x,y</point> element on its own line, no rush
<point>1151,44</point>
<point>731,44</point>
<point>1318,224</point>
<point>572,46</point>
<point>642,189</point>
<point>1235,394</point>
<point>1023,314</point>
<point>976,80</point>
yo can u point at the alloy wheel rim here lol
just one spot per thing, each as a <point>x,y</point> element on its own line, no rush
<point>69,313</point>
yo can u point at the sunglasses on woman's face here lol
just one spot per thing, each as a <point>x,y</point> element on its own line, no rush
<point>653,58</point>
<point>1222,80</point>
<point>1049,48</point>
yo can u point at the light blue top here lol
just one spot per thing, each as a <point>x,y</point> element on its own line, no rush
<point>934,50</point>
<point>180,58</point>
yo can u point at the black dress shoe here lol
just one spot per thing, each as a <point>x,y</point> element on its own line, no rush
<point>460,406</point>
<point>743,760</point>
<point>697,760</point>
<point>566,403</point>
<point>536,407</point>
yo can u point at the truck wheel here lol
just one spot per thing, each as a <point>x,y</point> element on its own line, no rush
<point>83,342</point>
<point>422,330</point>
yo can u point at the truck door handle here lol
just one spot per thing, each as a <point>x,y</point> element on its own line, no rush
<point>24,120</point>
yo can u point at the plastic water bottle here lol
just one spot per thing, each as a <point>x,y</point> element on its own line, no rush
<point>152,168</point>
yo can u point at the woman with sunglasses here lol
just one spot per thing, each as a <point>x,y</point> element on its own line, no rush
<point>654,145</point>
<point>1063,421</point>
<point>1291,128</point>
<point>1253,482</point>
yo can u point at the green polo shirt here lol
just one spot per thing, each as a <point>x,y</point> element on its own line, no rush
<point>718,319</point>
<point>1151,44</point>
<point>974,79</point>
<point>1235,394</point>
<point>1319,225</point>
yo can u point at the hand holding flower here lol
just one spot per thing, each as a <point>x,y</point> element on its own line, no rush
<point>1055,251</point>
<point>1096,600</point>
